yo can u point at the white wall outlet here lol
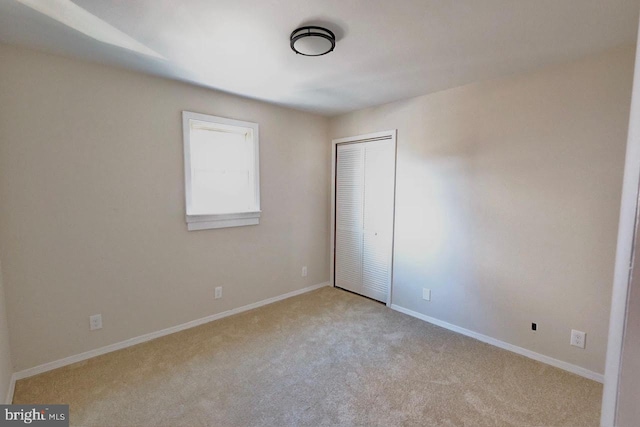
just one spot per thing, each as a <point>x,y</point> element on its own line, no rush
<point>304,271</point>
<point>218,293</point>
<point>426,294</point>
<point>95,322</point>
<point>578,338</point>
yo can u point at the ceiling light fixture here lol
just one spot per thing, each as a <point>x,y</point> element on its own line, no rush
<point>312,41</point>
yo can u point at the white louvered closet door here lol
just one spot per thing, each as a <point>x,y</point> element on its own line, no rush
<point>365,175</point>
<point>349,216</point>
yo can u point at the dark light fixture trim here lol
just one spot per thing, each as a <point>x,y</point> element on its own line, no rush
<point>312,31</point>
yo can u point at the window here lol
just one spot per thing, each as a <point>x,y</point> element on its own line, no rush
<point>222,180</point>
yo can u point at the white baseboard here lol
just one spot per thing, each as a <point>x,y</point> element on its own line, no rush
<point>12,387</point>
<point>153,335</point>
<point>575,369</point>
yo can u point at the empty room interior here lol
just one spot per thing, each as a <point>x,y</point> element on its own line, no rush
<point>333,213</point>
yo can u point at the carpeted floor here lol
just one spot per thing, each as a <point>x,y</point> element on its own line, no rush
<point>326,358</point>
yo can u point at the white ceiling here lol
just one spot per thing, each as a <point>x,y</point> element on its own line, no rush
<point>387,50</point>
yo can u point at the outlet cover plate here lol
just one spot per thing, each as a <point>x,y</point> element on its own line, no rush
<point>95,322</point>
<point>578,338</point>
<point>426,294</point>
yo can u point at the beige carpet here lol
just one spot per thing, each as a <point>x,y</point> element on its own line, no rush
<point>326,358</point>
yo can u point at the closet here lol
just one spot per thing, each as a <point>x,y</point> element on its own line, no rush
<point>364,178</point>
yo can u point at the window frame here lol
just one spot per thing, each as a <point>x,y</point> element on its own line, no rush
<point>211,221</point>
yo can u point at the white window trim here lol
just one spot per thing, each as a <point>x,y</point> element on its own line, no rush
<point>237,219</point>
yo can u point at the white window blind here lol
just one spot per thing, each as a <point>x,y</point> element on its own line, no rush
<point>221,172</point>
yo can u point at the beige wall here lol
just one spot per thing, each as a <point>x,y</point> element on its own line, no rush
<point>92,217</point>
<point>6,367</point>
<point>507,202</point>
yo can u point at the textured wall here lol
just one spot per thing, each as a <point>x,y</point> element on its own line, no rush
<point>507,201</point>
<point>92,218</point>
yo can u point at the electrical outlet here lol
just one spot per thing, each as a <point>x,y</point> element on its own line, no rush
<point>95,322</point>
<point>218,293</point>
<point>534,326</point>
<point>304,271</point>
<point>426,294</point>
<point>578,338</point>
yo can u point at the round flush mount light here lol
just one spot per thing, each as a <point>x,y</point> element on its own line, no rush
<point>312,41</point>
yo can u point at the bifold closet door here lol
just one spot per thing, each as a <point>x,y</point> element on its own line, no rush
<point>365,176</point>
